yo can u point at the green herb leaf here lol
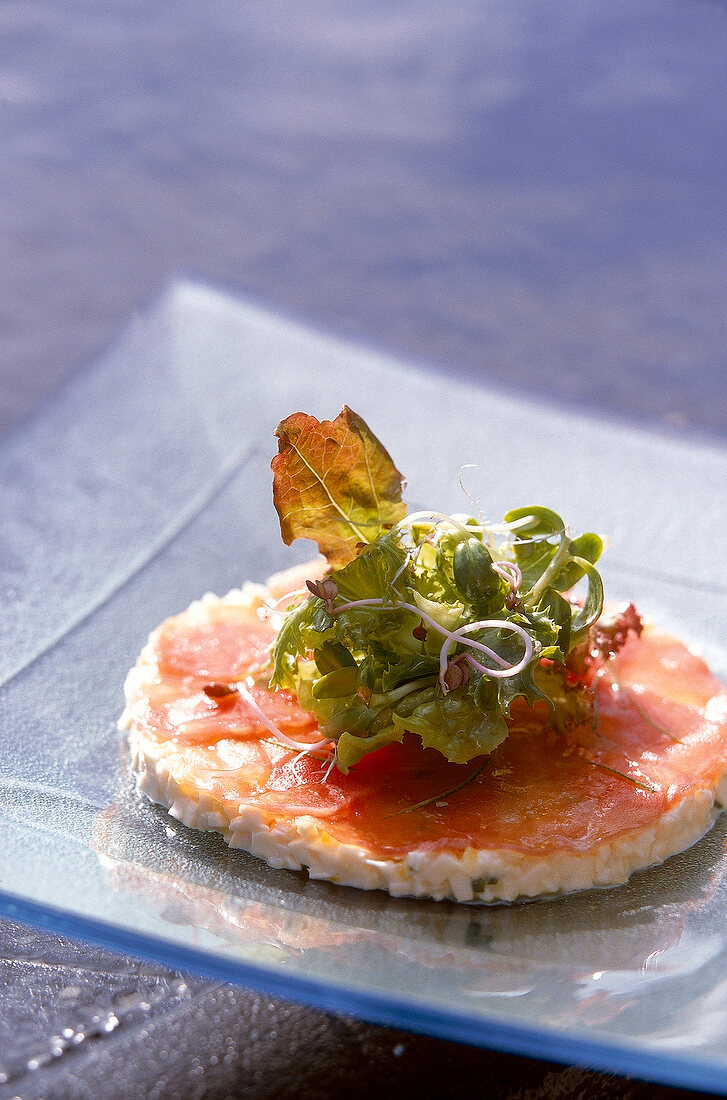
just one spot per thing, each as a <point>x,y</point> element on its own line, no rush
<point>333,655</point>
<point>404,669</point>
<point>593,604</point>
<point>536,543</point>
<point>543,522</point>
<point>558,610</point>
<point>588,546</point>
<point>352,748</point>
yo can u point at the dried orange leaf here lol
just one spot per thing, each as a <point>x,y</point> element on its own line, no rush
<point>334,483</point>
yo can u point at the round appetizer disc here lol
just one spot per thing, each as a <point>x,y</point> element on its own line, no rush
<point>546,812</point>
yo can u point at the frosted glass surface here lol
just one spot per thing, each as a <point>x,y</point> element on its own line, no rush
<point>145,483</point>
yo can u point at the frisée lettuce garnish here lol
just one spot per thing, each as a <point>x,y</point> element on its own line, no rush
<point>427,623</point>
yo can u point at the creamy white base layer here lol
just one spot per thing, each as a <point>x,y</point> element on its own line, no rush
<point>471,875</point>
<point>491,875</point>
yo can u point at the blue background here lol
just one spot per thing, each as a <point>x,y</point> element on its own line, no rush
<point>532,192</point>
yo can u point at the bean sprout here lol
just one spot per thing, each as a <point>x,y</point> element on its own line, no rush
<point>272,607</point>
<point>510,572</point>
<point>452,637</point>
<point>270,725</point>
<point>334,760</point>
<point>503,673</point>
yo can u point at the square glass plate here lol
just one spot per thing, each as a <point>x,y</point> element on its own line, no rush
<point>146,482</point>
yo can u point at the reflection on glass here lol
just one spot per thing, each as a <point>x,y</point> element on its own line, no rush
<point>607,959</point>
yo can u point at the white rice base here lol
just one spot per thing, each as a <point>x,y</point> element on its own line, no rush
<point>472,874</point>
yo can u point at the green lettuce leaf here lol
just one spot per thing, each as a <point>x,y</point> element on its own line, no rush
<point>304,629</point>
<point>373,571</point>
<point>455,726</point>
<point>351,747</point>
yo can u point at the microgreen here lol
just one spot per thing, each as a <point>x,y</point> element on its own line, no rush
<point>270,725</point>
<point>622,775</point>
<point>428,623</point>
<point>443,794</point>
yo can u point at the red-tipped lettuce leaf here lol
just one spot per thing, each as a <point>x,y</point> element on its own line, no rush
<point>334,483</point>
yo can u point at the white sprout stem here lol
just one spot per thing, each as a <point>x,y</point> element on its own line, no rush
<point>503,673</point>
<point>473,663</point>
<point>438,518</point>
<point>540,538</point>
<point>373,601</point>
<point>270,725</point>
<point>453,633</point>
<point>510,572</point>
<point>286,597</point>
<point>272,609</point>
<point>470,466</point>
<point>506,528</point>
<point>400,604</point>
<point>466,529</point>
<point>329,769</point>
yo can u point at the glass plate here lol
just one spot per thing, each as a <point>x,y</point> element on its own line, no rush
<point>145,483</point>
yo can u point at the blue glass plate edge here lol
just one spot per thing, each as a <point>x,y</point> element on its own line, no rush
<point>387,1011</point>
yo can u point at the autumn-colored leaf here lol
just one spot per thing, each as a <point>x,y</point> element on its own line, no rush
<point>334,483</point>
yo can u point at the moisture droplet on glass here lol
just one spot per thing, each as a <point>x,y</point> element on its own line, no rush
<point>69,992</point>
